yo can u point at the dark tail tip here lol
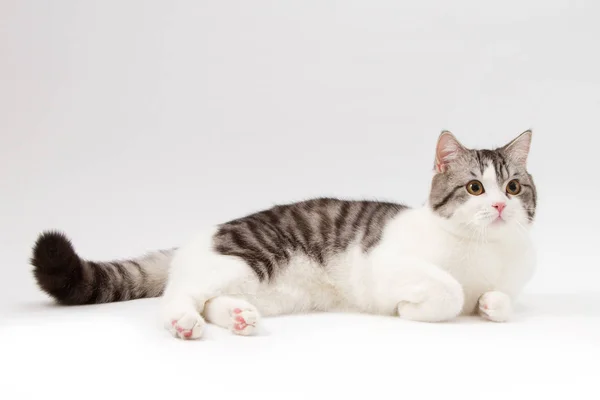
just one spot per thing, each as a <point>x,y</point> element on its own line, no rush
<point>52,251</point>
<point>57,267</point>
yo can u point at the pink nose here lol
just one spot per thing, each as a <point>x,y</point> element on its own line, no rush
<point>499,206</point>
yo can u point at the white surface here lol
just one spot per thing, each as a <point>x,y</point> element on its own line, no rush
<point>119,351</point>
<point>129,124</point>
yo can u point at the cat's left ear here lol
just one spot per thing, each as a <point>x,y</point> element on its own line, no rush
<point>518,150</point>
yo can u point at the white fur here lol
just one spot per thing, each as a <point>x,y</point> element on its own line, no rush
<point>425,268</point>
<point>495,306</point>
<point>225,312</point>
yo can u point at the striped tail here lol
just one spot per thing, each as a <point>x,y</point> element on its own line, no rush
<point>71,280</point>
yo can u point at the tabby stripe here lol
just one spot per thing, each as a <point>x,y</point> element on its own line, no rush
<point>349,230</point>
<point>317,215</point>
<point>262,237</point>
<point>342,225</point>
<point>319,243</point>
<point>365,212</point>
<point>280,239</point>
<point>352,226</point>
<point>249,260</point>
<point>326,228</point>
<point>272,222</point>
<point>247,255</point>
<point>447,198</point>
<point>251,252</point>
<point>117,279</point>
<point>142,287</point>
<point>131,282</point>
<point>340,221</point>
<point>532,192</point>
<point>531,213</point>
<point>260,244</point>
<point>481,166</point>
<point>497,168</point>
<point>372,222</point>
<point>505,164</point>
<point>303,228</point>
<point>100,284</point>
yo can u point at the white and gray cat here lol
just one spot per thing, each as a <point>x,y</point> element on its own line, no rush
<point>467,250</point>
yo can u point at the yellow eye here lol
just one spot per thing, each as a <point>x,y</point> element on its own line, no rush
<point>475,188</point>
<point>513,187</point>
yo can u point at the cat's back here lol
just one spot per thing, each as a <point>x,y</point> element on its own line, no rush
<point>302,251</point>
<point>318,230</point>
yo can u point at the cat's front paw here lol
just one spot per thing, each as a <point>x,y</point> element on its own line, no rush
<point>495,306</point>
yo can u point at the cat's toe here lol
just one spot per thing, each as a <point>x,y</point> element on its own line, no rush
<point>189,326</point>
<point>244,320</point>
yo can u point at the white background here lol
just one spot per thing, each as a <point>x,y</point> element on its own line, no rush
<point>131,124</point>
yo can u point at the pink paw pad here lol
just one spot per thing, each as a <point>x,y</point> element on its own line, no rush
<point>240,322</point>
<point>241,325</point>
<point>243,320</point>
<point>186,332</point>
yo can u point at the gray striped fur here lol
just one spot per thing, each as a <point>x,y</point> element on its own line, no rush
<point>62,274</point>
<point>318,228</point>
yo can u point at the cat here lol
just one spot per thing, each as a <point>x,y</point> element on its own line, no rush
<point>467,250</point>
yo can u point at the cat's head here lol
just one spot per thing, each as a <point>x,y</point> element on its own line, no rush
<point>485,190</point>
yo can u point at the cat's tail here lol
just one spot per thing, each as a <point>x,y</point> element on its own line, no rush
<point>71,280</point>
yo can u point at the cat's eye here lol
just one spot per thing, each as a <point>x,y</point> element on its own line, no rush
<point>475,188</point>
<point>513,187</point>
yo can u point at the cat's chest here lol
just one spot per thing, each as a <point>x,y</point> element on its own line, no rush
<point>478,267</point>
<point>479,264</point>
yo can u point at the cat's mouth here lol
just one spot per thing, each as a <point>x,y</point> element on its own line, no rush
<point>499,220</point>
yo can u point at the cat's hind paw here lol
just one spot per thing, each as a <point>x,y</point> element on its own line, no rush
<point>244,320</point>
<point>189,326</point>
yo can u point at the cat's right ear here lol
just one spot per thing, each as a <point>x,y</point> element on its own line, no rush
<point>448,149</point>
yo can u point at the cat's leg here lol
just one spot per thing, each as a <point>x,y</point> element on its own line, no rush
<point>495,306</point>
<point>420,291</point>
<point>429,294</point>
<point>233,313</point>
<point>198,274</point>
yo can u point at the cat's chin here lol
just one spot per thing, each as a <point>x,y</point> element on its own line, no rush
<point>499,228</point>
<point>488,230</point>
<point>498,223</point>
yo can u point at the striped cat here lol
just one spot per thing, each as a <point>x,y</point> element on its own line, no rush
<point>467,250</point>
